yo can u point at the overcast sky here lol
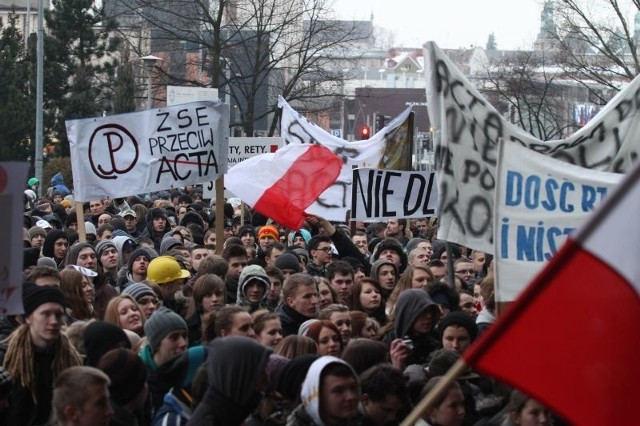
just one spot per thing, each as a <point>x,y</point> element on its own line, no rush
<point>450,23</point>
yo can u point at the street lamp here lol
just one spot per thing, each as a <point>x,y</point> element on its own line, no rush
<point>149,63</point>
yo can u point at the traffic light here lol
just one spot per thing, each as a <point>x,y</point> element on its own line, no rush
<point>365,132</point>
<point>380,122</point>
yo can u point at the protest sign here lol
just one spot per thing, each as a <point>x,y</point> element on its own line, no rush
<point>12,179</point>
<point>385,194</point>
<point>539,202</point>
<point>380,150</point>
<point>467,129</point>
<point>146,151</point>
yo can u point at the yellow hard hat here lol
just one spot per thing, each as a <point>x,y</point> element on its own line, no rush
<point>164,269</point>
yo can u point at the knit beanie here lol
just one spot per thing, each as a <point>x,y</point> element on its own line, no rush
<point>391,244</point>
<point>288,261</point>
<point>100,337</point>
<point>246,229</point>
<point>36,230</point>
<point>127,373</point>
<point>142,251</point>
<point>138,291</point>
<point>162,322</point>
<point>33,296</point>
<point>167,243</point>
<point>460,319</point>
<point>102,246</point>
<point>47,261</point>
<point>269,230</point>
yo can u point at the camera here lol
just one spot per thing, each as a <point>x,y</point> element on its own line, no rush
<point>408,342</point>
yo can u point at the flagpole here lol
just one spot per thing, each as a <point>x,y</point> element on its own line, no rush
<point>82,231</point>
<point>454,372</point>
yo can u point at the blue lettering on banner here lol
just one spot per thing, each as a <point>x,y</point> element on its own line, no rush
<point>550,195</point>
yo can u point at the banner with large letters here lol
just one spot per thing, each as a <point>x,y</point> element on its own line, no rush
<point>389,148</point>
<point>467,130</point>
<point>539,202</point>
<point>380,194</point>
<point>150,150</point>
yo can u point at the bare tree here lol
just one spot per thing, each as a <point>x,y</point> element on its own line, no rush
<point>597,41</point>
<point>251,49</point>
<point>526,90</point>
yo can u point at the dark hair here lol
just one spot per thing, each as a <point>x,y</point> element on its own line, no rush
<point>274,272</point>
<point>224,317</point>
<point>215,264</point>
<point>441,288</point>
<point>260,318</point>
<point>276,246</point>
<point>363,354</point>
<point>233,250</point>
<point>207,285</point>
<point>382,380</point>
<point>432,383</point>
<point>339,267</point>
<point>316,240</point>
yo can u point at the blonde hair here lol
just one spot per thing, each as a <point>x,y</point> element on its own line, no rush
<point>111,313</point>
<point>19,358</point>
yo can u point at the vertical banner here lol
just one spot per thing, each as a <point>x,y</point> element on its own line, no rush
<point>12,179</point>
<point>540,201</point>
<point>466,145</point>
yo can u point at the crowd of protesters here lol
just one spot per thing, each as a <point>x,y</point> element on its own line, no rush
<point>142,323</point>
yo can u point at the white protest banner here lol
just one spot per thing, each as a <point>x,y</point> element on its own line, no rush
<point>385,149</point>
<point>380,194</point>
<point>12,179</point>
<point>467,131</point>
<point>539,202</point>
<point>146,151</point>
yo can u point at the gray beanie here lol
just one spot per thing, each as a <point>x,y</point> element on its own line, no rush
<point>162,322</point>
<point>288,261</point>
<point>138,290</point>
<point>102,246</point>
<point>36,230</point>
<point>47,261</point>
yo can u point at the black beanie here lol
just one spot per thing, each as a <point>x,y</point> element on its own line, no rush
<point>100,337</point>
<point>127,372</point>
<point>293,374</point>
<point>35,295</point>
<point>460,319</point>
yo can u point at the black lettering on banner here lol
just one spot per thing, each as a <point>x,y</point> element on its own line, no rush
<point>456,128</point>
<point>160,128</point>
<point>297,131</point>
<point>479,208</point>
<point>358,189</point>
<point>343,186</point>
<point>114,138</point>
<point>449,205</point>
<point>386,191</point>
<point>442,78</point>
<point>443,158</point>
<point>345,153</point>
<point>183,115</point>
<point>408,211</point>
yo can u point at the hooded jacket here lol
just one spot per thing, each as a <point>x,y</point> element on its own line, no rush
<point>156,237</point>
<point>74,251</point>
<point>253,273</point>
<point>308,413</point>
<point>234,367</point>
<point>391,244</point>
<point>48,245</point>
<point>411,303</point>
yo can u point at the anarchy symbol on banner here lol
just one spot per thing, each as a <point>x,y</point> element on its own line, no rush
<point>110,149</point>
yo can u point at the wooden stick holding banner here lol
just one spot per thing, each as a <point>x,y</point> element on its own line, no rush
<point>427,402</point>
<point>82,230</point>
<point>219,214</point>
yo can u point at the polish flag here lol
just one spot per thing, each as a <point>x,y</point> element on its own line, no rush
<point>283,184</point>
<point>572,339</point>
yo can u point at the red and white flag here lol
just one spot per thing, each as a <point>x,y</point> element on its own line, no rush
<point>283,184</point>
<point>572,339</point>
